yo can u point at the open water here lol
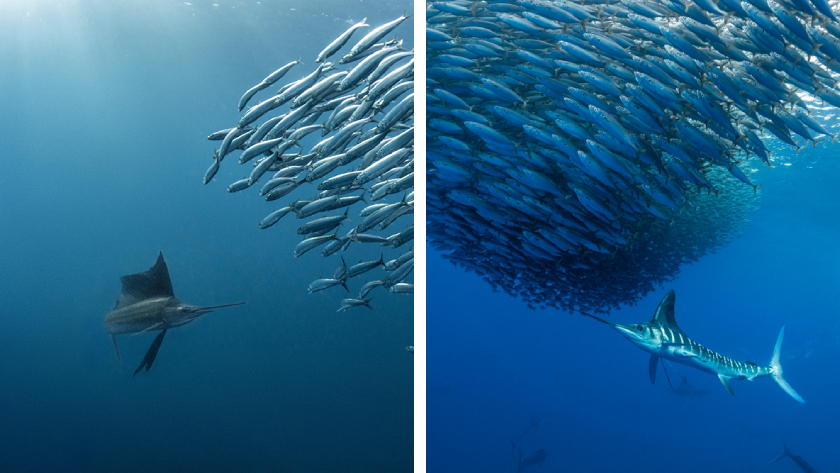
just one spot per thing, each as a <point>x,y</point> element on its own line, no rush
<point>494,365</point>
<point>106,107</point>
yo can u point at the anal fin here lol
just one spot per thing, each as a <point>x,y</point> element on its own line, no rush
<point>725,381</point>
<point>116,350</point>
<point>151,354</point>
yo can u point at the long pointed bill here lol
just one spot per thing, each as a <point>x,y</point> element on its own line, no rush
<point>599,319</point>
<point>211,307</point>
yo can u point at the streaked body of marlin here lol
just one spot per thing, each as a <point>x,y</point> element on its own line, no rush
<point>663,338</point>
<point>147,302</point>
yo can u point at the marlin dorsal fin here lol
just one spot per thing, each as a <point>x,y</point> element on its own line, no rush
<point>141,286</point>
<point>664,314</point>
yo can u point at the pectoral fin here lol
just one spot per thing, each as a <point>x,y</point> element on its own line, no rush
<point>684,353</point>
<point>654,360</point>
<point>151,354</point>
<point>152,327</point>
<point>725,381</point>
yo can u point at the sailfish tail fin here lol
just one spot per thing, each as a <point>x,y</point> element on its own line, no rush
<point>777,370</point>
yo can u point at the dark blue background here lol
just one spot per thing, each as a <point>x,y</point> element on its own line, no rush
<point>493,364</point>
<point>106,107</point>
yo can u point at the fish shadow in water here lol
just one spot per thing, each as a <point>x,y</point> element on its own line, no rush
<point>685,390</point>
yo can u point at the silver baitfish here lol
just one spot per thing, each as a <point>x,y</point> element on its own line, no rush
<point>580,152</point>
<point>364,108</point>
<point>348,303</point>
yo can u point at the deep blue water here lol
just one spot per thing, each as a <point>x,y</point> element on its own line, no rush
<point>106,107</point>
<point>493,364</point>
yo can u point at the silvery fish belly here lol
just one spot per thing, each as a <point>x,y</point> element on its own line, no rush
<point>137,317</point>
<point>579,153</point>
<point>363,105</point>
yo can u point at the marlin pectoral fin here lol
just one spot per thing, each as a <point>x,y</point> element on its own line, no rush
<point>151,354</point>
<point>725,381</point>
<point>654,360</point>
<point>684,354</point>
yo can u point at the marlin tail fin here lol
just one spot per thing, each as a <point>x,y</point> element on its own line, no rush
<point>784,453</point>
<point>777,369</point>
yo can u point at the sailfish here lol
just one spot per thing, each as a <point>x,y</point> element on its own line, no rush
<point>147,302</point>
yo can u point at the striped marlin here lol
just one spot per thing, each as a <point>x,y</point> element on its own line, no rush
<point>147,302</point>
<point>663,338</point>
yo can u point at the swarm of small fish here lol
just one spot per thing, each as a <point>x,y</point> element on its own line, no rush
<point>363,107</point>
<point>580,152</point>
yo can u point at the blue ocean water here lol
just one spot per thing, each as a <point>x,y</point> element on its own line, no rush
<point>494,366</point>
<point>106,107</point>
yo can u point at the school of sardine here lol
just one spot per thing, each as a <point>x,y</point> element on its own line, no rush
<point>363,107</point>
<point>579,152</point>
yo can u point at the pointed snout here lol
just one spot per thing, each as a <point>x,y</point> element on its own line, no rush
<point>628,331</point>
<point>197,311</point>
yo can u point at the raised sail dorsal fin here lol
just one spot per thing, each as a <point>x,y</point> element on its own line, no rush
<point>664,314</point>
<point>141,286</point>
